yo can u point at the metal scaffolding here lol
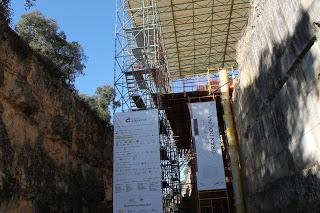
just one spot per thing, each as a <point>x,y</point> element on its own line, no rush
<point>170,169</point>
<point>141,77</point>
<point>140,62</point>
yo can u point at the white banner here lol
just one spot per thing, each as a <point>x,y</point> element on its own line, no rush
<point>205,131</point>
<point>136,169</point>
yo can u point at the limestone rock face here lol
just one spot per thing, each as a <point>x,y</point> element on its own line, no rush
<point>55,153</point>
<point>277,107</point>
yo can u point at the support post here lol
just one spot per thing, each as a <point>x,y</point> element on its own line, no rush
<point>232,140</point>
<point>209,83</point>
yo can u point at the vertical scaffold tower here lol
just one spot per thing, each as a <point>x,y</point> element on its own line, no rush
<point>140,79</point>
<point>140,62</point>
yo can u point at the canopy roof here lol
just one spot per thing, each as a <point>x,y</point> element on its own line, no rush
<point>198,34</point>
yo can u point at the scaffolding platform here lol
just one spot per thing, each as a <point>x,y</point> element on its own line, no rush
<point>138,77</point>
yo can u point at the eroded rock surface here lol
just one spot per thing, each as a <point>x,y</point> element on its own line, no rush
<point>277,107</point>
<point>55,153</point>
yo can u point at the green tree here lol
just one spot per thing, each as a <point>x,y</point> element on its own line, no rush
<point>29,3</point>
<point>44,36</point>
<point>4,12</point>
<point>101,101</point>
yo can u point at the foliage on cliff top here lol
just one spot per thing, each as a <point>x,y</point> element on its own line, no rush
<point>101,101</point>
<point>43,35</point>
<point>5,10</point>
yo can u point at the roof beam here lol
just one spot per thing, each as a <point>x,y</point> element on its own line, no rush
<point>227,38</point>
<point>194,39</point>
<point>187,4</point>
<point>201,19</point>
<point>243,22</point>
<point>175,33</point>
<point>217,11</point>
<point>210,42</point>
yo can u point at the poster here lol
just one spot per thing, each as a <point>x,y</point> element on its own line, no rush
<point>136,170</point>
<point>205,132</point>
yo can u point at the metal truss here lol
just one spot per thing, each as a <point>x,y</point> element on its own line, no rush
<point>201,33</point>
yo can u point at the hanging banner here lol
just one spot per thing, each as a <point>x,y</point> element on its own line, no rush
<point>205,132</point>
<point>136,169</point>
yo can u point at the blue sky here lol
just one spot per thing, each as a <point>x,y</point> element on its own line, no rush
<point>89,22</point>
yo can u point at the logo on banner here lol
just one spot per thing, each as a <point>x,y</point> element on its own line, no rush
<point>134,120</point>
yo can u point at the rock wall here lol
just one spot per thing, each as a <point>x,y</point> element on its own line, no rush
<point>55,153</point>
<point>277,107</point>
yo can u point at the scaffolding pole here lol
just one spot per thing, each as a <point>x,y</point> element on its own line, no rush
<point>232,141</point>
